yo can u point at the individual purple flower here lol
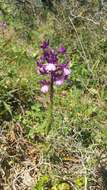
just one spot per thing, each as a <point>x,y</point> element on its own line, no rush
<point>50,55</point>
<point>45,44</point>
<point>59,81</point>
<point>46,54</point>
<point>41,68</point>
<point>45,86</point>
<point>53,56</point>
<point>42,59</point>
<point>62,50</point>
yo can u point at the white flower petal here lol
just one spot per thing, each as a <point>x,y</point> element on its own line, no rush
<point>50,67</point>
<point>59,82</point>
<point>45,88</point>
<point>66,71</point>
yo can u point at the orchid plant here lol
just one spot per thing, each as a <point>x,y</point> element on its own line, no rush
<point>53,64</point>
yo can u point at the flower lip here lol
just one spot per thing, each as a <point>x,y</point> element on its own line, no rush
<point>44,88</point>
<point>59,81</point>
<point>66,71</point>
<point>50,67</point>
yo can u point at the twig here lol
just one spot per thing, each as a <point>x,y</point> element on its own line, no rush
<point>78,37</point>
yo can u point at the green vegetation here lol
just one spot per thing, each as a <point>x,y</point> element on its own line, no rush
<point>73,155</point>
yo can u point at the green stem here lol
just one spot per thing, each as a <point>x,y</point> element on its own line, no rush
<point>51,98</point>
<point>51,106</point>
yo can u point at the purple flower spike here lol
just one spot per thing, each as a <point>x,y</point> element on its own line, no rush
<point>45,44</point>
<point>49,65</point>
<point>55,67</point>
<point>62,50</point>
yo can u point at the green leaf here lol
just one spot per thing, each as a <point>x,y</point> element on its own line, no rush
<point>62,186</point>
<point>41,183</point>
<point>7,107</point>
